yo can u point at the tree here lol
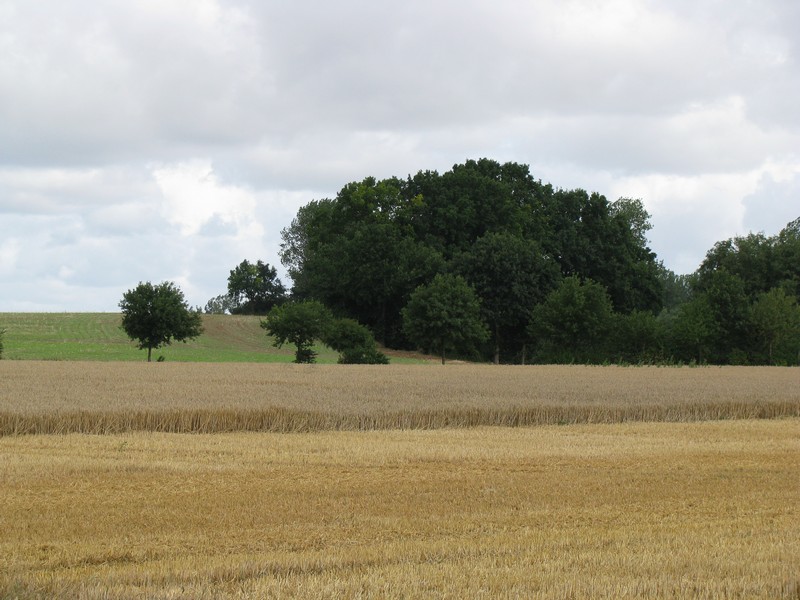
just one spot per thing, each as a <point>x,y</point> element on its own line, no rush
<point>255,288</point>
<point>354,342</point>
<point>727,297</point>
<point>573,323</point>
<point>156,315</point>
<point>787,258</point>
<point>445,315</point>
<point>219,305</point>
<point>510,275</point>
<point>776,322</point>
<point>299,323</point>
<point>638,336</point>
<point>691,330</point>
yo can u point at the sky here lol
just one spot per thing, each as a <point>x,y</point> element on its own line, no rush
<point>168,140</point>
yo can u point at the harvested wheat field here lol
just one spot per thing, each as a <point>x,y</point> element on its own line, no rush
<point>271,481</point>
<point>96,397</point>
<point>635,510</point>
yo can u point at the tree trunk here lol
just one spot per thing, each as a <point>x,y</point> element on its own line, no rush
<point>149,350</point>
<point>442,351</point>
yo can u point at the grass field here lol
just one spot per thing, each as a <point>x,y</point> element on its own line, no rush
<point>99,336</point>
<point>634,510</point>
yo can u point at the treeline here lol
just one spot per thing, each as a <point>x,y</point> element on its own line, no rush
<point>486,262</point>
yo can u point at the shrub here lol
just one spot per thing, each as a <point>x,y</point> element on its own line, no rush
<point>354,342</point>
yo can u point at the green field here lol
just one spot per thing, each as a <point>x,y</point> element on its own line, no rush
<point>99,336</point>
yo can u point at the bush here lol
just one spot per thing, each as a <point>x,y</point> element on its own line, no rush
<point>354,343</point>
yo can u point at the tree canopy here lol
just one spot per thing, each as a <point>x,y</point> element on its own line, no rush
<point>445,316</point>
<point>565,273</point>
<point>299,323</point>
<point>365,251</point>
<point>156,315</point>
<point>254,288</point>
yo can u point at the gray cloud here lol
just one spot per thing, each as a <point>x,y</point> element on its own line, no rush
<point>171,140</point>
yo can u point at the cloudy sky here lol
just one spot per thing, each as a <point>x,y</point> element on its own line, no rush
<point>152,140</point>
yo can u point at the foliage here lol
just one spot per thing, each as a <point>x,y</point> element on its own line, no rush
<point>692,330</point>
<point>254,288</point>
<point>775,317</point>
<point>354,342</point>
<point>365,251</point>
<point>354,255</point>
<point>445,316</point>
<point>638,337</point>
<point>513,239</point>
<point>156,315</point>
<point>220,305</point>
<point>677,289</point>
<point>573,323</point>
<point>509,275</point>
<point>299,323</point>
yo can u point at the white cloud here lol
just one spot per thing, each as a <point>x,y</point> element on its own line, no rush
<point>193,196</point>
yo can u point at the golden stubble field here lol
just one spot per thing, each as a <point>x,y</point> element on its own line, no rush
<point>692,508</point>
<point>674,510</point>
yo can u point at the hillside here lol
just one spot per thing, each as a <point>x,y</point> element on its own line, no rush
<point>98,336</point>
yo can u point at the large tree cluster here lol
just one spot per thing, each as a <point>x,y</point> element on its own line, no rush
<point>510,238</point>
<point>486,261</point>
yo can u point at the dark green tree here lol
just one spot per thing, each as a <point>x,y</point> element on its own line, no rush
<point>775,317</point>
<point>727,298</point>
<point>787,258</point>
<point>573,323</point>
<point>354,343</point>
<point>357,255</point>
<point>255,288</point>
<point>444,316</point>
<point>509,274</point>
<point>299,323</point>
<point>155,316</point>
<point>750,258</point>
<point>691,330</point>
<point>638,337</point>
<point>594,239</point>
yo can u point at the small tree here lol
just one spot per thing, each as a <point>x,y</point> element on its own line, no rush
<point>219,305</point>
<point>299,323</point>
<point>445,315</point>
<point>255,288</point>
<point>154,316</point>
